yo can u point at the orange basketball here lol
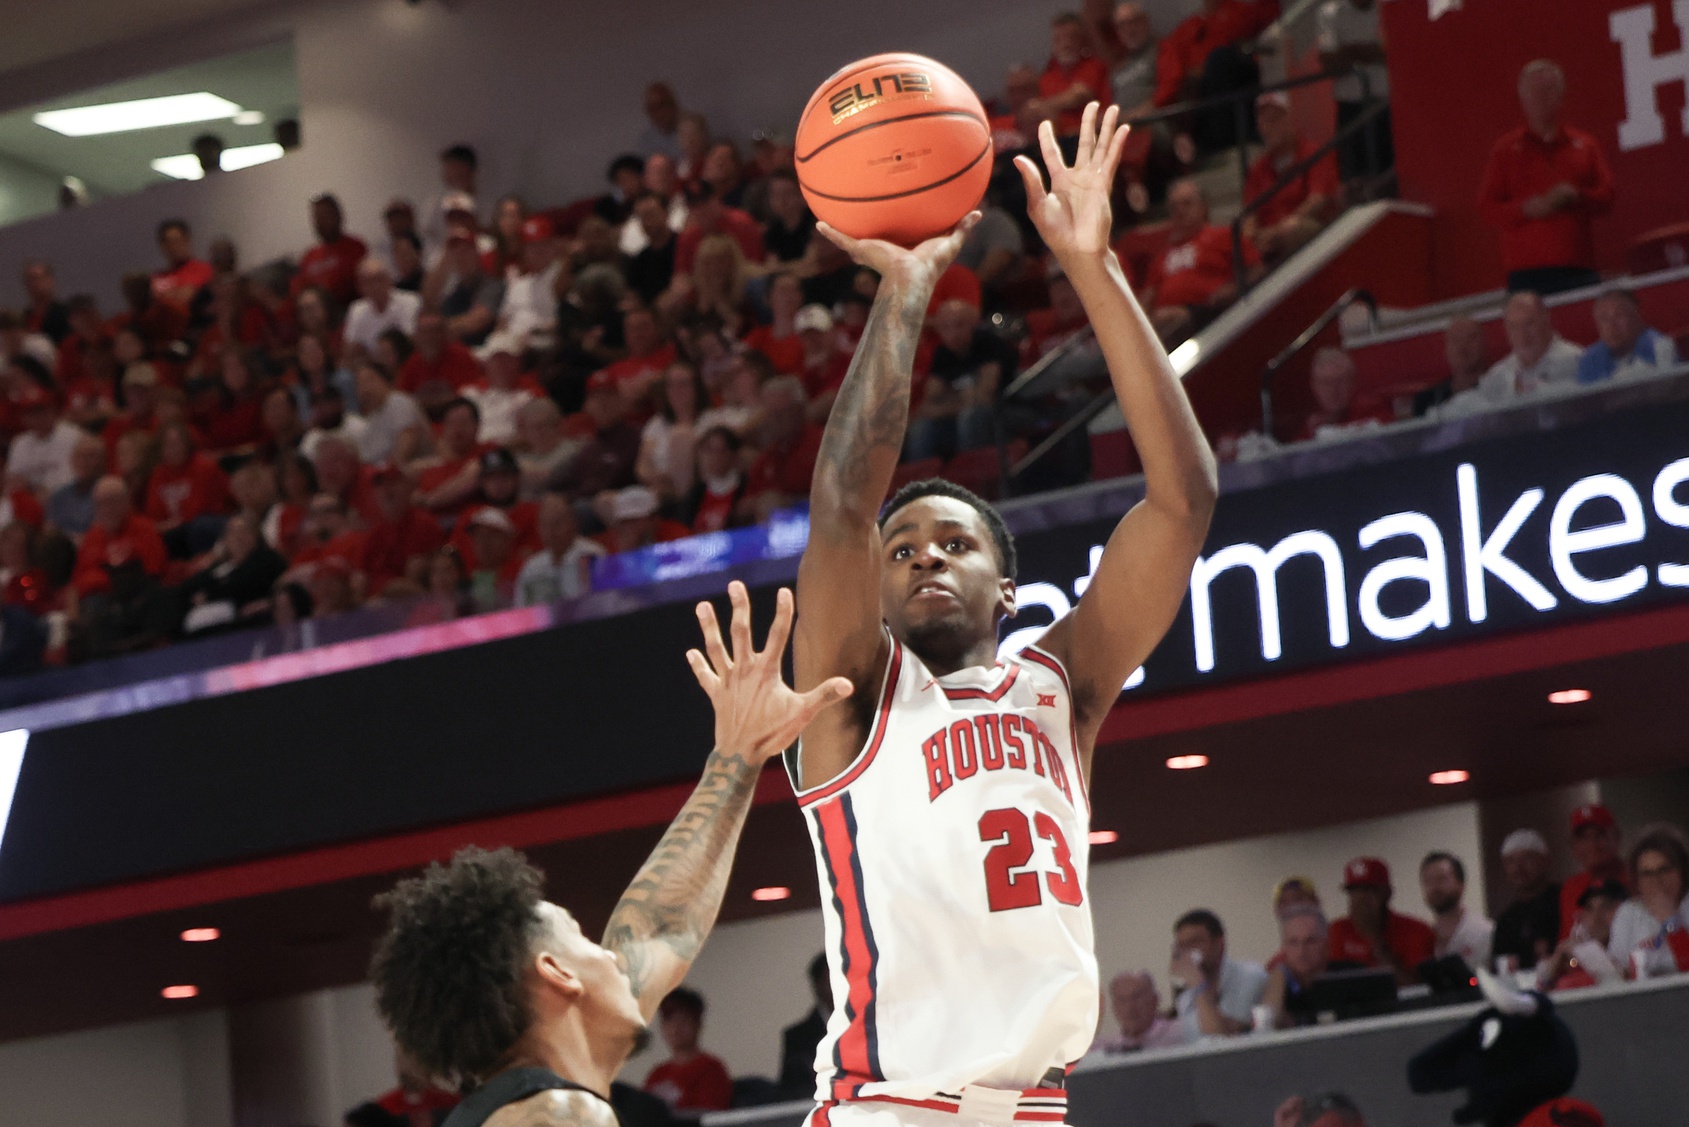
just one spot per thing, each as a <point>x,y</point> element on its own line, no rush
<point>893,147</point>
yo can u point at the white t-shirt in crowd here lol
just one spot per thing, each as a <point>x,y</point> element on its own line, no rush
<point>365,323</point>
<point>44,462</point>
<point>499,409</point>
<point>352,429</point>
<point>1471,940</point>
<point>382,427</point>
<point>530,304</point>
<point>546,579</point>
<point>1340,24</point>
<point>1240,989</point>
<point>1635,928</point>
<point>1509,379</point>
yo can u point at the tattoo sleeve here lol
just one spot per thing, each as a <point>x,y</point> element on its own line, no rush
<point>668,910</point>
<point>864,434</point>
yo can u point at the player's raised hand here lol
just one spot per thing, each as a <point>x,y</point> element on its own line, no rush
<point>757,715</point>
<point>1073,215</point>
<point>925,262</point>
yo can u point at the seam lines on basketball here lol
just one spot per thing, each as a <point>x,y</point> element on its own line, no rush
<point>825,145</point>
<point>960,172</point>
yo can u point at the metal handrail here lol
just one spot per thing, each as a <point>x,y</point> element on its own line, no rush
<point>1081,335</point>
<point>1354,295</point>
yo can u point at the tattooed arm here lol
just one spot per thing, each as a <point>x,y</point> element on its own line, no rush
<point>668,910</point>
<point>839,579</point>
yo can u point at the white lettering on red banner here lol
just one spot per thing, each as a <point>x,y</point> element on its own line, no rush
<point>1645,72</point>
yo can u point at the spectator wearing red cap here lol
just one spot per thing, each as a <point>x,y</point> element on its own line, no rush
<point>1371,935</point>
<point>332,263</point>
<point>440,368</point>
<point>183,274</point>
<point>1193,280</point>
<point>1302,208</point>
<point>40,454</point>
<point>1545,184</point>
<point>1072,78</point>
<point>379,307</point>
<point>608,459</point>
<point>562,568</point>
<point>527,317</point>
<point>404,535</point>
<point>1442,881</point>
<point>1596,842</point>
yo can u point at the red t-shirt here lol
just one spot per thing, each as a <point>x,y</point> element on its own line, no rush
<point>715,510</point>
<point>1411,941</point>
<point>456,368</point>
<point>181,493</point>
<point>828,375</point>
<point>1088,72</point>
<point>190,275</point>
<point>747,232</point>
<point>136,540</point>
<point>406,1104</point>
<point>392,545</point>
<point>348,546</point>
<point>334,267</point>
<point>1523,165</point>
<point>120,425</point>
<point>1189,273</point>
<point>525,515</point>
<point>1184,52</point>
<point>1045,330</point>
<point>789,469</point>
<point>701,1084</point>
<point>631,369</point>
<point>1320,180</point>
<point>957,283</point>
<point>252,328</point>
<point>786,353</point>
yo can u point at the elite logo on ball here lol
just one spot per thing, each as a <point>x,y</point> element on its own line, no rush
<point>853,99</point>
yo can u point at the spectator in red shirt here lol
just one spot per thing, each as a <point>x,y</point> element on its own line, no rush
<point>187,494</point>
<point>440,367</point>
<point>1203,58</point>
<point>1193,280</point>
<point>339,474</point>
<point>790,443</point>
<point>1302,208</point>
<point>1332,378</point>
<point>1595,845</point>
<point>446,481</point>
<point>120,545</point>
<point>691,1080</point>
<point>333,262</point>
<point>712,504</point>
<point>634,522</point>
<point>779,340</point>
<point>1054,325</point>
<point>402,539</point>
<point>183,274</point>
<point>1072,78</point>
<point>1014,118</point>
<point>235,320</point>
<point>416,1100</point>
<point>712,215</point>
<point>1546,181</point>
<point>159,323</point>
<point>638,373</point>
<point>1371,935</point>
<point>824,362</point>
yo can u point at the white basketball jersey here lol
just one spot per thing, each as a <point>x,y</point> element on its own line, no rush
<point>952,858</point>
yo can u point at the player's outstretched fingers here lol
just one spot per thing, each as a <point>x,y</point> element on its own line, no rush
<point>1052,152</point>
<point>740,627</point>
<point>1105,136</point>
<point>706,676</point>
<point>1087,140</point>
<point>713,644</point>
<point>1116,146</point>
<point>837,237</point>
<point>823,696</point>
<point>774,646</point>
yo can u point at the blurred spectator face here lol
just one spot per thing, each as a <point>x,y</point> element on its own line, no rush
<point>41,418</point>
<point>1131,24</point>
<point>1064,301</point>
<point>715,456</point>
<point>331,589</point>
<point>597,238</point>
<point>88,459</point>
<point>240,538</point>
<point>503,369</point>
<point>1468,355</point>
<point>1333,381</point>
<point>337,466</point>
<point>253,487</point>
<point>38,282</point>
<point>1278,128</point>
<point>605,406</point>
<point>328,410</point>
<point>782,410</point>
<point>627,180</point>
<point>660,176</point>
<point>1295,891</point>
<point>1210,949</point>
<point>508,219</point>
<point>785,297</point>
<point>445,574</point>
<point>326,220</point>
<point>174,448</point>
<point>693,137</point>
<point>1524,868</point>
<point>539,426</point>
<point>1302,942</point>
<point>111,503</point>
<point>492,545</point>
<point>744,387</point>
<point>174,242</point>
<point>1067,41</point>
<point>1542,93</point>
<point>325,519</point>
<point>639,330</point>
<point>1133,998</point>
<point>313,360</point>
<point>721,166</point>
<point>653,218</point>
<point>1618,322</point>
<point>680,389</point>
<point>85,320</point>
<point>393,496</point>
<point>557,525</point>
<point>680,1030</point>
<point>407,259</point>
<point>1529,330</point>
<point>1598,913</point>
<point>1441,886</point>
<point>955,323</point>
<point>137,291</point>
<point>662,107</point>
<point>1186,209</point>
<point>537,254</point>
<point>400,219</point>
<point>293,477</point>
<point>222,255</point>
<point>279,415</point>
<point>1368,902</point>
<point>375,281</point>
<point>372,389</point>
<point>1594,846</point>
<point>499,487</point>
<point>430,335</point>
<point>1020,86</point>
<point>463,254</point>
<point>313,311</point>
<point>1658,880</point>
<point>458,428</point>
<point>458,175</point>
<point>785,200</point>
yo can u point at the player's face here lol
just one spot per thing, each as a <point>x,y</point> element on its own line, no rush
<point>941,588</point>
<point>607,995</point>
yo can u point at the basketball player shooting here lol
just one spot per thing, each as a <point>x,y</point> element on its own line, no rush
<point>947,803</point>
<point>486,984</point>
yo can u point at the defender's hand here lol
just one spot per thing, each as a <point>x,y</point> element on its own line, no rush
<point>924,263</point>
<point>757,716</point>
<point>1073,215</point>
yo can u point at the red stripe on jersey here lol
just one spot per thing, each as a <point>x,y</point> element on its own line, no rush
<point>822,1116</point>
<point>1032,653</point>
<point>992,695</point>
<point>857,1051</point>
<point>894,667</point>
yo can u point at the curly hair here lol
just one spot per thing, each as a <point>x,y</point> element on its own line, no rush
<point>1007,564</point>
<point>449,971</point>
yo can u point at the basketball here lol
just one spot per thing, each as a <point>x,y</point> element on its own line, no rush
<point>893,147</point>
